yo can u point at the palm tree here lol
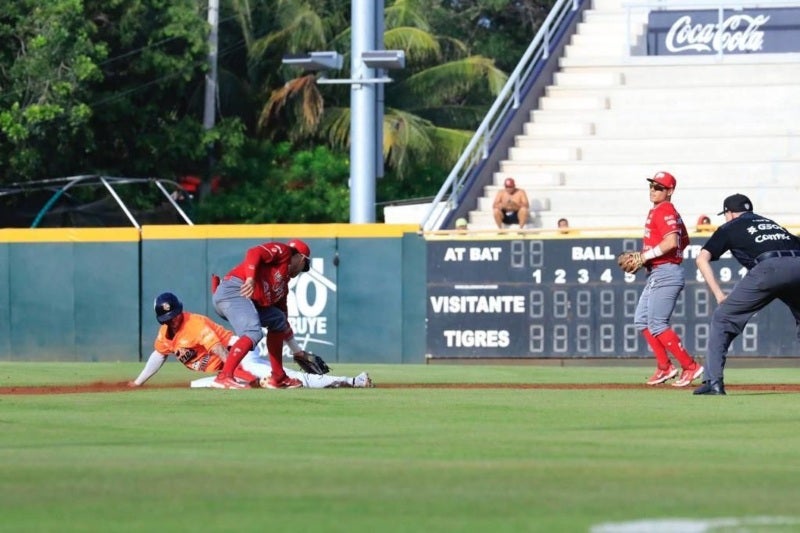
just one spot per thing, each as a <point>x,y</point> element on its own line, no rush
<point>431,109</point>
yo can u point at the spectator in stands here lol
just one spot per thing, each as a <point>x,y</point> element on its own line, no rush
<point>704,225</point>
<point>511,205</point>
<point>461,225</point>
<point>563,226</point>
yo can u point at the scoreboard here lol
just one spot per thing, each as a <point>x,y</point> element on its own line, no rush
<point>556,298</point>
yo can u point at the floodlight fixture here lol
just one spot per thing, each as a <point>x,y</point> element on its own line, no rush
<point>384,59</point>
<point>315,60</point>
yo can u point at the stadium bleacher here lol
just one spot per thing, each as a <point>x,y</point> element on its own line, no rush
<point>721,123</point>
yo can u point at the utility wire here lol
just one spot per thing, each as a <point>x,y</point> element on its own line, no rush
<point>19,92</point>
<point>120,95</point>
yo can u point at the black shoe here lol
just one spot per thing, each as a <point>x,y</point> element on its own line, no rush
<point>716,388</point>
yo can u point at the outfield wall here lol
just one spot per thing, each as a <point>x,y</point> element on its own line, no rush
<point>376,293</point>
<point>87,294</point>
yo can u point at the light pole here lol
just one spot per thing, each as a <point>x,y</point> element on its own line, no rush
<point>366,101</point>
<point>209,109</point>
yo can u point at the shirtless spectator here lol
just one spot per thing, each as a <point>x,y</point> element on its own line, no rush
<point>511,205</point>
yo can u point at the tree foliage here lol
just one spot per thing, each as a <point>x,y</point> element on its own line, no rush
<point>116,87</point>
<point>274,183</point>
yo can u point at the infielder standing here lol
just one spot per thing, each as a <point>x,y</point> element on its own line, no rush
<point>665,238</point>
<point>772,256</point>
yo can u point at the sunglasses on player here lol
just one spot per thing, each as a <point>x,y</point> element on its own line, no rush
<point>656,187</point>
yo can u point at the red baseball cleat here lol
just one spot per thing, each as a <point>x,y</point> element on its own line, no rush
<point>227,382</point>
<point>689,375</point>
<point>284,383</point>
<point>660,376</point>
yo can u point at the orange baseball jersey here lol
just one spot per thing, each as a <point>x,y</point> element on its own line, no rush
<point>199,334</point>
<point>662,220</point>
<point>268,264</point>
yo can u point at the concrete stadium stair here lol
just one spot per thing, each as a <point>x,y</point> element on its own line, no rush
<point>611,119</point>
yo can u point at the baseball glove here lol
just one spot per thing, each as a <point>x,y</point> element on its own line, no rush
<point>630,262</point>
<point>311,363</point>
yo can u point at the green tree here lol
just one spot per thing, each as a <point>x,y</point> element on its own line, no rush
<point>154,73</point>
<point>116,87</point>
<point>47,63</point>
<point>500,29</point>
<point>276,183</point>
<point>431,109</point>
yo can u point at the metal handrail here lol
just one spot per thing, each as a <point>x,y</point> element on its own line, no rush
<point>506,103</point>
<point>92,180</point>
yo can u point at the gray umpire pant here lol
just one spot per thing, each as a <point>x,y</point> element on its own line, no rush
<point>770,279</point>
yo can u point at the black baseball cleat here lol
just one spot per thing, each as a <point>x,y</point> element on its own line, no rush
<point>715,388</point>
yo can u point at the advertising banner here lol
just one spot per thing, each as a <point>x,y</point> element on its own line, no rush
<point>727,31</point>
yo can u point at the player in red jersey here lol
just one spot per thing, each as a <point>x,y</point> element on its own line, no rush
<point>665,238</point>
<point>253,295</point>
<point>201,344</point>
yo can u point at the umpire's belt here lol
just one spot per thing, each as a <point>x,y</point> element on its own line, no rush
<point>777,253</point>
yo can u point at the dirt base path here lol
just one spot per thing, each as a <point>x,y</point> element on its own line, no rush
<point>123,387</point>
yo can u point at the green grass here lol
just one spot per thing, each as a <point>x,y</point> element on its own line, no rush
<point>392,459</point>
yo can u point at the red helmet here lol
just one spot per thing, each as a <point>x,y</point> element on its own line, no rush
<point>303,249</point>
<point>300,246</point>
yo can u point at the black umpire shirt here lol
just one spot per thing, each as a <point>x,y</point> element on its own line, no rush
<point>748,237</point>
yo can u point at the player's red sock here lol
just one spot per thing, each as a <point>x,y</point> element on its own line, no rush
<point>662,359</point>
<point>244,375</point>
<point>670,340</point>
<point>235,355</point>
<point>275,349</point>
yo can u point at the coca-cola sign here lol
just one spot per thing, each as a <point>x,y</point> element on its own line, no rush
<point>748,31</point>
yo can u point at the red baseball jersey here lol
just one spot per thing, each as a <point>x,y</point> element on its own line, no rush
<point>199,334</point>
<point>662,220</point>
<point>268,264</point>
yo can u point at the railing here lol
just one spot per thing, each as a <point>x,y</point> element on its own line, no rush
<point>506,104</point>
<point>62,185</point>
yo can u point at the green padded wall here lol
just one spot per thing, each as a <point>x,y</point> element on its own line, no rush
<point>5,303</point>
<point>87,294</point>
<point>350,308</point>
<point>370,300</point>
<point>414,295</point>
<point>73,294</point>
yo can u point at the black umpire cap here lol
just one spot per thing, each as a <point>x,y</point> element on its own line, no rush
<point>736,203</point>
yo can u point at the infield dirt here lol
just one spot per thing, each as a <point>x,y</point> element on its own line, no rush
<point>123,387</point>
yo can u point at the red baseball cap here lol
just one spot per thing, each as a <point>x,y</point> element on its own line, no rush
<point>509,183</point>
<point>665,179</point>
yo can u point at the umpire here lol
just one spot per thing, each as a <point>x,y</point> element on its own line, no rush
<point>772,256</point>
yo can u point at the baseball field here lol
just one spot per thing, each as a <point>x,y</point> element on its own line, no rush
<point>431,448</point>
